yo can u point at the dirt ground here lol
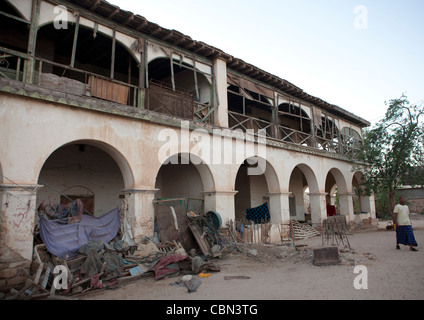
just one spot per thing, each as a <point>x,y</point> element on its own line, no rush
<point>284,272</point>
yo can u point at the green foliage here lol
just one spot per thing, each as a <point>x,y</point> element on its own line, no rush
<point>393,151</point>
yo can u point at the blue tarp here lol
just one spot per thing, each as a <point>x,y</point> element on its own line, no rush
<point>66,239</point>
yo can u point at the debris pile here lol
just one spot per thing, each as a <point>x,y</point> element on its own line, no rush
<point>76,253</point>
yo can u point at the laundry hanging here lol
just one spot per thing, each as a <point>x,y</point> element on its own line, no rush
<point>258,214</point>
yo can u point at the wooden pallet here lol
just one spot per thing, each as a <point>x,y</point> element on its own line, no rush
<point>302,231</point>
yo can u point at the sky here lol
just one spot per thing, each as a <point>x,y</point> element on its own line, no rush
<point>354,54</point>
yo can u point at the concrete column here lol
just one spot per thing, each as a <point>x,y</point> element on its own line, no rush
<point>221,202</point>
<point>279,207</point>
<point>141,211</point>
<point>17,218</point>
<point>368,205</point>
<point>220,74</point>
<point>318,208</point>
<point>346,206</point>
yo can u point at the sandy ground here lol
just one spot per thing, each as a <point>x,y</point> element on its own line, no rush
<point>283,272</point>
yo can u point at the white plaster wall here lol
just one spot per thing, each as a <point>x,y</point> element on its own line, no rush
<point>32,130</point>
<point>69,171</point>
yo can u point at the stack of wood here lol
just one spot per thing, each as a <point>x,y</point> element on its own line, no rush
<point>302,231</point>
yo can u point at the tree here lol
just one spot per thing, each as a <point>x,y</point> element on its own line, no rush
<point>393,151</point>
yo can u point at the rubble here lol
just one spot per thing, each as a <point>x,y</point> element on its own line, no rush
<point>99,265</point>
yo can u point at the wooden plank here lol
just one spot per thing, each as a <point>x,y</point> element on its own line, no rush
<point>201,241</point>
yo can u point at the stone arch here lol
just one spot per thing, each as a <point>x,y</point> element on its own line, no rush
<point>117,156</point>
<point>255,182</point>
<point>92,171</point>
<point>310,176</point>
<point>335,179</point>
<point>303,184</point>
<point>340,180</point>
<point>90,69</point>
<point>183,159</point>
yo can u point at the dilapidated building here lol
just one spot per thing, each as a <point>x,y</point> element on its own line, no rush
<point>100,104</point>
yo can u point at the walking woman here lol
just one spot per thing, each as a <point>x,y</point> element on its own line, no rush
<point>404,232</point>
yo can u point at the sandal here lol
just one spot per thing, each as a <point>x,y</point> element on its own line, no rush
<point>413,249</point>
<point>398,247</point>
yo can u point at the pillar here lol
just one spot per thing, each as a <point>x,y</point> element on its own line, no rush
<point>141,211</point>
<point>220,76</point>
<point>17,218</point>
<point>368,205</point>
<point>221,202</point>
<point>318,208</point>
<point>279,207</point>
<point>346,206</point>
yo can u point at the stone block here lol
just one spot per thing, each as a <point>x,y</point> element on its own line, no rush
<point>326,256</point>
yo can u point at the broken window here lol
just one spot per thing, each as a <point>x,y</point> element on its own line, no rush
<point>294,124</point>
<point>327,134</point>
<point>250,106</point>
<point>181,89</point>
<point>351,141</point>
<point>14,35</point>
<point>83,61</point>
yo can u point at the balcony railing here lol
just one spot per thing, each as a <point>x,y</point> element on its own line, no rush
<point>159,98</point>
<point>12,64</point>
<point>345,145</point>
<point>67,79</point>
<point>255,125</point>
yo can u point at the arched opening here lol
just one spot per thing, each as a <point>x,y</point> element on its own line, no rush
<point>336,193</point>
<point>255,180</point>
<point>179,178</point>
<point>249,107</point>
<point>327,134</point>
<point>180,184</point>
<point>366,204</point>
<point>302,184</point>
<point>294,124</point>
<point>252,192</point>
<point>82,61</point>
<point>179,89</point>
<point>351,141</point>
<point>332,195</point>
<point>82,171</point>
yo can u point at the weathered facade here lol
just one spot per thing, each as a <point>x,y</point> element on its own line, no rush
<point>94,101</point>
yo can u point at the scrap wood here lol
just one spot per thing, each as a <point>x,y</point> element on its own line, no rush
<point>303,230</point>
<point>236,277</point>
<point>31,289</point>
<point>199,236</point>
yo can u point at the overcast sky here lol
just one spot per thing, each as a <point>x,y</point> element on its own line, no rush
<point>354,54</point>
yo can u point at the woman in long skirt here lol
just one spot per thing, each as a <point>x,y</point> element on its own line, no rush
<point>404,231</point>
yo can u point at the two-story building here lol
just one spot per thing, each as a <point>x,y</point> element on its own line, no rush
<point>100,104</point>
